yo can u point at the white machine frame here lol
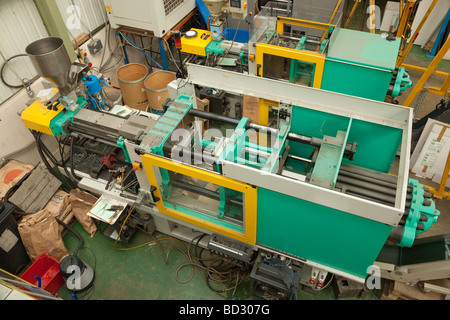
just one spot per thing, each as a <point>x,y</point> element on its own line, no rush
<point>149,15</point>
<point>339,104</point>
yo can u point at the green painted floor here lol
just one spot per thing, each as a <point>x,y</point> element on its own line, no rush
<point>143,274</point>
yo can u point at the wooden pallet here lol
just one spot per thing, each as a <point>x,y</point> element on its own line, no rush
<point>35,191</point>
<point>395,290</point>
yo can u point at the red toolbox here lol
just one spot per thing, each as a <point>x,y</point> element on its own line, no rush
<point>44,273</point>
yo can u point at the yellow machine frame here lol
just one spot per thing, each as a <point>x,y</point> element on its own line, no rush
<point>281,21</point>
<point>312,57</point>
<point>249,192</point>
<point>300,55</point>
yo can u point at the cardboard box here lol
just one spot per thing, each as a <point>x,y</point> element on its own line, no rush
<point>432,151</point>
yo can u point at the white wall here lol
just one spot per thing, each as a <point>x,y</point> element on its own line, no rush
<point>20,24</point>
<point>15,136</point>
<point>92,14</point>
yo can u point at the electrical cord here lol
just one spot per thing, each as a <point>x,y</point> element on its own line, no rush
<point>231,46</point>
<point>138,48</point>
<point>172,58</point>
<point>24,84</point>
<point>91,290</point>
<point>210,273</point>
<point>71,160</point>
<point>63,162</point>
<point>80,239</point>
<point>53,170</point>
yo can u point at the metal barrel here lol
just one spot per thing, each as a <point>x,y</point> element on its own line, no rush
<point>51,61</point>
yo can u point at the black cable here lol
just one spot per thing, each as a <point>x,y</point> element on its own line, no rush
<point>3,67</point>
<point>80,243</point>
<point>71,161</point>
<point>63,162</point>
<point>45,150</point>
<point>197,256</point>
<point>149,62</point>
<point>51,169</point>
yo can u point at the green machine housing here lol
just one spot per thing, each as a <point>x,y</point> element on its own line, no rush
<point>317,199</point>
<point>364,65</point>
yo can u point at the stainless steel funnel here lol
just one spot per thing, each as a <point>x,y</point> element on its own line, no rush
<point>51,61</point>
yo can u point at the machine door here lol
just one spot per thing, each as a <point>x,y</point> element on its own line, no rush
<point>295,66</point>
<point>203,198</point>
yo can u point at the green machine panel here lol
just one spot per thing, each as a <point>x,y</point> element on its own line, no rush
<point>333,238</point>
<point>319,124</point>
<point>386,144</point>
<point>364,68</point>
<point>355,80</point>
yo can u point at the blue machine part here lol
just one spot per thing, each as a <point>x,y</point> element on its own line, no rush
<point>203,11</point>
<point>94,94</point>
<point>93,84</point>
<point>421,215</point>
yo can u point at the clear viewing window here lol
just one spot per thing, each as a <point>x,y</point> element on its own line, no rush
<point>294,71</point>
<point>186,193</point>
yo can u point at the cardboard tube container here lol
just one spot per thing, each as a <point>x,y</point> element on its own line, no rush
<point>131,80</point>
<point>156,89</point>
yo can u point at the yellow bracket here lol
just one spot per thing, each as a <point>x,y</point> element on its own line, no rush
<point>150,162</point>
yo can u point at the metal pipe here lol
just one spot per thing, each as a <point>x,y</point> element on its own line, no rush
<point>367,198</point>
<point>169,150</point>
<point>299,158</point>
<point>368,193</point>
<point>347,172</point>
<point>358,195</point>
<point>366,185</point>
<point>92,133</point>
<point>368,173</point>
<point>369,186</point>
<point>367,179</point>
<point>349,148</point>
<point>213,117</point>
